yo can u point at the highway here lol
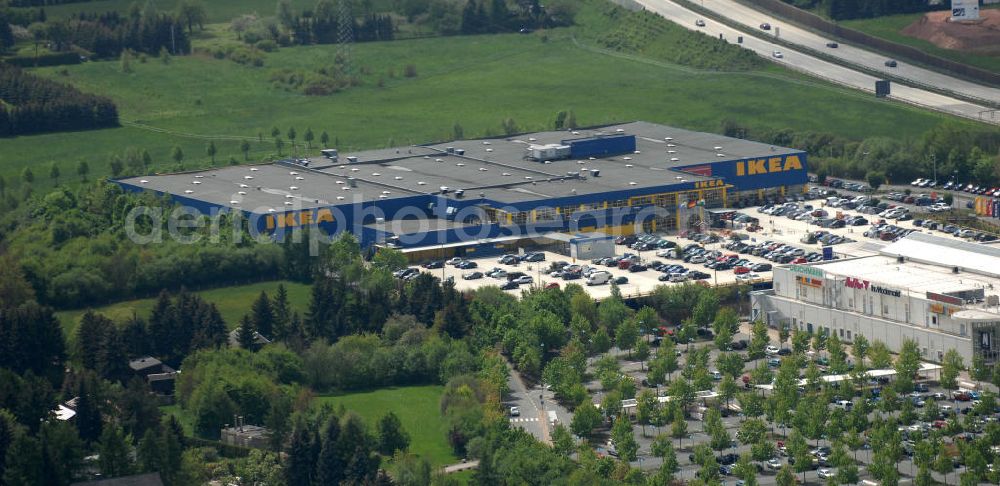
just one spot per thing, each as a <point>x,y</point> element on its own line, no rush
<point>761,43</point>
<point>749,17</point>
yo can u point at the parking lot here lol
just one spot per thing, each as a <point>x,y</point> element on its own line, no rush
<point>933,405</point>
<point>793,232</point>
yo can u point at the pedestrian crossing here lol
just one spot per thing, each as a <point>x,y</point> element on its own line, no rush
<point>523,419</point>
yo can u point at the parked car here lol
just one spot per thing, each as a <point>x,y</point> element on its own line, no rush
<point>777,54</point>
<point>699,23</point>
<point>765,26</point>
<point>891,63</point>
<point>832,45</point>
<point>472,276</point>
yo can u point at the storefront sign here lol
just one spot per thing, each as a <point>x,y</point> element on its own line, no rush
<point>942,309</point>
<point>811,282</point>
<point>815,272</point>
<point>947,299</point>
<point>856,283</point>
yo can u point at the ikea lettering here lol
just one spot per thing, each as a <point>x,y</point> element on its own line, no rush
<point>708,184</point>
<point>299,218</point>
<point>768,166</point>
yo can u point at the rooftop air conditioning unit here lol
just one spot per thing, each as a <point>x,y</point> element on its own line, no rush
<point>450,150</point>
<point>992,300</point>
<point>459,193</point>
<point>444,189</point>
<point>352,182</point>
<point>352,159</point>
<point>595,172</point>
<point>459,151</point>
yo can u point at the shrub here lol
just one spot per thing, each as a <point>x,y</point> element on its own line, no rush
<point>410,71</point>
<point>267,45</point>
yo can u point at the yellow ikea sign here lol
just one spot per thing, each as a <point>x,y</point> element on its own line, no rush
<point>708,184</point>
<point>767,166</point>
<point>299,218</point>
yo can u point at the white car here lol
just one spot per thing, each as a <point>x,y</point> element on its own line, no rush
<point>453,261</point>
<point>825,474</point>
<point>699,23</point>
<point>771,349</point>
<point>918,182</point>
<point>523,279</point>
<point>777,54</point>
<point>774,464</point>
<point>515,412</point>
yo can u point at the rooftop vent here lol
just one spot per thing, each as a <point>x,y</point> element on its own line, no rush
<point>288,196</point>
<point>459,193</point>
<point>293,173</point>
<point>627,158</point>
<point>340,198</point>
<point>489,150</point>
<point>196,182</point>
<point>375,174</point>
<point>438,160</point>
<point>398,178</point>
<point>254,169</point>
<point>720,155</point>
<point>668,138</point>
<point>532,139</point>
<point>288,203</point>
<point>460,164</point>
<point>248,177</point>
<point>628,166</point>
<point>143,181</point>
<point>421,183</point>
<point>352,159</point>
<point>234,202</point>
<point>300,178</point>
<point>189,191</point>
<point>505,174</point>
<point>671,145</point>
<point>340,182</point>
<point>459,151</point>
<point>199,177</point>
<point>574,132</point>
<point>244,186</point>
<point>631,183</point>
<point>386,192</point>
<point>444,189</point>
<point>486,143</point>
<point>620,130</point>
<point>294,188</point>
<point>270,210</point>
<point>717,148</point>
<point>483,169</point>
<point>674,159</point>
<point>242,193</point>
<point>355,169</point>
<point>595,172</point>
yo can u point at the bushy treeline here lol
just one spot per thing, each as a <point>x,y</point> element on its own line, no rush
<point>963,153</point>
<point>863,9</point>
<point>36,105</point>
<point>106,35</point>
<point>75,250</point>
<point>38,3</point>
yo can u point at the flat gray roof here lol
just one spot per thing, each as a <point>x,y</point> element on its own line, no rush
<point>496,169</point>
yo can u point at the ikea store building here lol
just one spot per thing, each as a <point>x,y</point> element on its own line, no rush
<point>489,195</point>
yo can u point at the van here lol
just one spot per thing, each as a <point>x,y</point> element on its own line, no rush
<point>600,277</point>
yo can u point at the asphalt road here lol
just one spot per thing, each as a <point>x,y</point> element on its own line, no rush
<point>752,18</point>
<point>763,46</point>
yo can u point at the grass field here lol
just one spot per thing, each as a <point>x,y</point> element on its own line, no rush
<point>474,81</point>
<point>232,302</point>
<point>890,28</point>
<point>418,410</point>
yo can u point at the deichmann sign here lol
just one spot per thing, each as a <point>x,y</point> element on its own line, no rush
<point>855,283</point>
<point>815,272</point>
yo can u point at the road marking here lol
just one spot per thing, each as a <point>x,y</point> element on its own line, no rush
<point>525,419</point>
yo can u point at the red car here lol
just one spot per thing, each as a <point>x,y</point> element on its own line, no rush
<point>740,270</point>
<point>963,396</point>
<point>800,260</point>
<point>939,424</point>
<point>624,264</point>
<point>552,285</point>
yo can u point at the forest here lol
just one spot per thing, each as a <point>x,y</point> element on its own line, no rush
<point>31,104</point>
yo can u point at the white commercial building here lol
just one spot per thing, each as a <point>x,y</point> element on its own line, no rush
<point>941,293</point>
